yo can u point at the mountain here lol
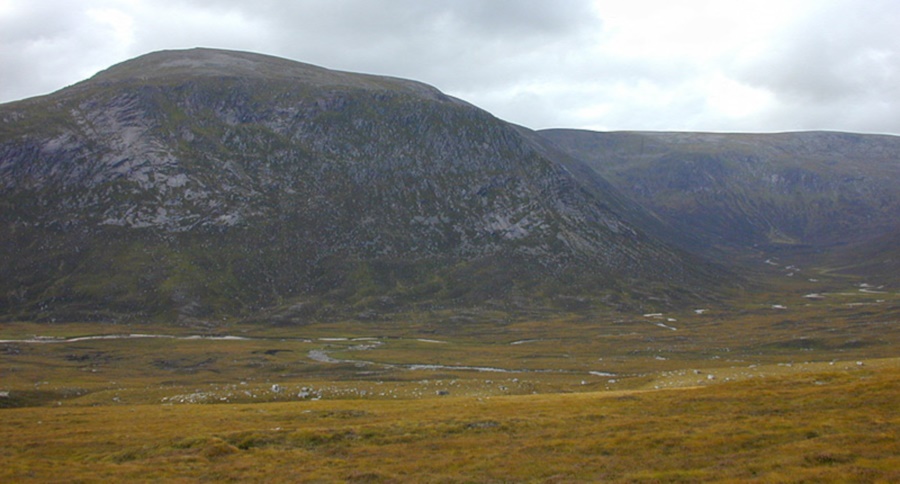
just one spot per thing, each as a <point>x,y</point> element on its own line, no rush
<point>830,195</point>
<point>202,184</point>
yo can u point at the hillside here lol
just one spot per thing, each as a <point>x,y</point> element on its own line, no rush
<point>831,195</point>
<point>203,184</point>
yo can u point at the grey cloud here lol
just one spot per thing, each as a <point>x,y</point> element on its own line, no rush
<point>496,18</point>
<point>533,62</point>
<point>835,55</point>
<point>460,43</point>
<point>44,47</point>
<point>840,65</point>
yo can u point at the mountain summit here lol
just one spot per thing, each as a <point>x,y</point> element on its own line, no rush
<point>205,183</point>
<point>167,67</point>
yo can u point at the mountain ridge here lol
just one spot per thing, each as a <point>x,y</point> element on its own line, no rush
<point>202,62</point>
<point>813,192</point>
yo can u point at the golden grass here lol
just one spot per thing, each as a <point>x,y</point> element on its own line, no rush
<point>744,392</point>
<point>840,426</point>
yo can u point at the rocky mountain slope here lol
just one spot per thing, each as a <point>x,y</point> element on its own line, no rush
<point>834,195</point>
<point>203,184</point>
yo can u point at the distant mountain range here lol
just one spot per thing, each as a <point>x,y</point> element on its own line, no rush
<point>205,184</point>
<point>832,197</point>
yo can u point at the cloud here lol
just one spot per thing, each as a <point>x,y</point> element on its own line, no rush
<point>708,65</point>
<point>46,46</point>
<point>840,64</point>
<point>836,54</point>
<point>460,43</point>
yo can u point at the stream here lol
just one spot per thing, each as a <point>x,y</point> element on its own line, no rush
<point>319,355</point>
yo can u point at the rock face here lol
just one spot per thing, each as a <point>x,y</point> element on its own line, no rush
<point>818,190</point>
<point>204,183</point>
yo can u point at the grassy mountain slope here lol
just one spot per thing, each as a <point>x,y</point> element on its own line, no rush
<point>201,184</point>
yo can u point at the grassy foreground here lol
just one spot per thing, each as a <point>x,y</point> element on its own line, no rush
<point>795,385</point>
<point>841,426</point>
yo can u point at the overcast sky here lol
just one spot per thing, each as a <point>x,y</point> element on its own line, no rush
<point>686,65</point>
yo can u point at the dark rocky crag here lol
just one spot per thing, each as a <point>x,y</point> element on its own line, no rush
<point>201,184</point>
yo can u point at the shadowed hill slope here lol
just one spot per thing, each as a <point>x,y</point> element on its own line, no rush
<point>823,192</point>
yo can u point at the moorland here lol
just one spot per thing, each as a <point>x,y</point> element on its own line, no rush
<point>223,266</point>
<point>784,387</point>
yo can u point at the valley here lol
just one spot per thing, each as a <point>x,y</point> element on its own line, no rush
<point>225,266</point>
<point>779,387</point>
<point>490,353</point>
